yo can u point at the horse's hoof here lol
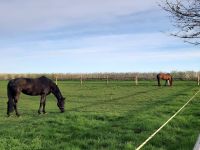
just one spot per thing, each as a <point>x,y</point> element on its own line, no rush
<point>44,113</point>
<point>39,112</point>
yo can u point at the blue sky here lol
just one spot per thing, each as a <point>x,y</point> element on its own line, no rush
<point>77,36</point>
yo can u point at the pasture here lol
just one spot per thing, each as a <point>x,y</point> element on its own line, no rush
<point>119,115</point>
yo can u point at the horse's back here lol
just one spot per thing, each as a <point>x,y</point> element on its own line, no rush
<point>31,86</point>
<point>44,80</point>
<point>15,82</point>
<point>164,76</point>
<point>24,81</point>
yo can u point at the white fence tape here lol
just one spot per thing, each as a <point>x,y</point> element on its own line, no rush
<point>152,135</point>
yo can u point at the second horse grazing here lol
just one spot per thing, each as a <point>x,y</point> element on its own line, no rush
<point>32,86</point>
<point>167,77</point>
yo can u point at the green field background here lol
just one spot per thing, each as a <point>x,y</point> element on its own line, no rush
<point>117,115</point>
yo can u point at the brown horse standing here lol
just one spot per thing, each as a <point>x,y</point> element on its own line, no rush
<point>167,77</point>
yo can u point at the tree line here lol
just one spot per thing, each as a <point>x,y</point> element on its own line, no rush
<point>177,75</point>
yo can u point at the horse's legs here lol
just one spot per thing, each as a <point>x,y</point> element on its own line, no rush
<point>158,81</point>
<point>40,107</point>
<point>15,104</point>
<point>42,101</point>
<point>8,112</point>
<point>166,81</point>
<point>10,101</point>
<point>9,106</point>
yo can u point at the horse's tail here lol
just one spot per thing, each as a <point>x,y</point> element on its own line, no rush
<point>10,103</point>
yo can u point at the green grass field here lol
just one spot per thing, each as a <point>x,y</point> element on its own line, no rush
<point>119,115</point>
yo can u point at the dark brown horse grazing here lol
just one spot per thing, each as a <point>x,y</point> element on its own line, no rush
<point>39,86</point>
<point>167,77</point>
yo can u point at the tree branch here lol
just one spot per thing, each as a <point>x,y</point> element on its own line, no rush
<point>186,16</point>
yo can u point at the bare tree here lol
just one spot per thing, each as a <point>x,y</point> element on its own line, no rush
<point>185,16</point>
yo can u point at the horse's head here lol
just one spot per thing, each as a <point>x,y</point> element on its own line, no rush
<point>61,104</point>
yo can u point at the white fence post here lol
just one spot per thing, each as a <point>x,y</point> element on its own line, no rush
<point>168,83</point>
<point>81,80</point>
<point>56,80</point>
<point>136,80</point>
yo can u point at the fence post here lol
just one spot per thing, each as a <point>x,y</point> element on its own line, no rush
<point>198,78</point>
<point>56,80</point>
<point>168,83</point>
<point>81,80</point>
<point>136,80</point>
<point>107,80</point>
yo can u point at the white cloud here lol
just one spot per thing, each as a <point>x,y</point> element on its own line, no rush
<point>121,49</point>
<point>129,48</point>
<point>44,14</point>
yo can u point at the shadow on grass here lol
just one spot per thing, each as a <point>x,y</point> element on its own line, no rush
<point>153,103</point>
<point>111,100</point>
